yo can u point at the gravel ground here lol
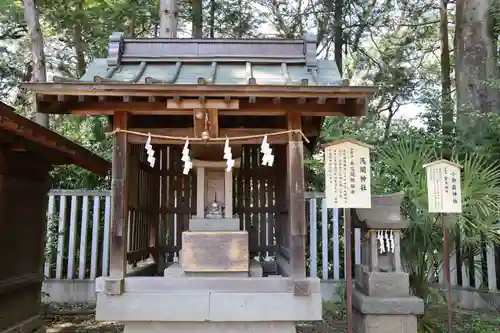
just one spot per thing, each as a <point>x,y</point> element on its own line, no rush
<point>87,324</point>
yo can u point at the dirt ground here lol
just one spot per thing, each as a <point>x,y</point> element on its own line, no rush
<point>87,324</point>
<point>79,324</point>
<point>81,320</point>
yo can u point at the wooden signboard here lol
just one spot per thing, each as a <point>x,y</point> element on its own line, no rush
<point>347,174</point>
<point>444,187</point>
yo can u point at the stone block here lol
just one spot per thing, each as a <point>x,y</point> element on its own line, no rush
<point>214,251</point>
<point>384,323</point>
<point>192,306</point>
<point>385,213</point>
<point>381,284</point>
<point>113,286</point>
<point>251,307</point>
<point>387,306</point>
<point>224,224</point>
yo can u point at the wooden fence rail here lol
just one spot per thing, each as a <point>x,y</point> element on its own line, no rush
<point>78,242</point>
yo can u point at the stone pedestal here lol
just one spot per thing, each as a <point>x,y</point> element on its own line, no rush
<point>381,300</point>
<point>382,304</point>
<point>208,304</point>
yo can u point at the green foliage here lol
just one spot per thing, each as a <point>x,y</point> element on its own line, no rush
<point>399,165</point>
<point>90,133</point>
<point>480,324</point>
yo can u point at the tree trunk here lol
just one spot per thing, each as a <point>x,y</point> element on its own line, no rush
<point>448,123</point>
<point>475,67</point>
<point>168,18</point>
<point>197,26</point>
<point>339,31</point>
<point>37,55</point>
<point>81,64</point>
<point>211,18</point>
<point>132,23</point>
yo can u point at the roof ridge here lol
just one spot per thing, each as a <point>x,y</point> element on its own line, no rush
<point>122,49</point>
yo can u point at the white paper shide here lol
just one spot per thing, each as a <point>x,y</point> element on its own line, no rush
<point>347,174</point>
<point>444,193</point>
<point>188,165</point>
<point>150,152</point>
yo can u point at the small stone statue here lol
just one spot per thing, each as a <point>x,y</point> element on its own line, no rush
<point>214,211</point>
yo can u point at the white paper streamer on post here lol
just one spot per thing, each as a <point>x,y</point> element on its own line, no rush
<point>391,240</point>
<point>228,156</point>
<point>380,239</point>
<point>150,151</point>
<point>265,149</point>
<point>188,165</point>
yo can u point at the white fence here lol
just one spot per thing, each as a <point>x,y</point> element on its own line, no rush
<point>79,219</point>
<point>71,231</point>
<point>327,260</point>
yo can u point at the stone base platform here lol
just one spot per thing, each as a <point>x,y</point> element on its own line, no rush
<point>216,300</point>
<point>249,327</point>
<point>385,314</point>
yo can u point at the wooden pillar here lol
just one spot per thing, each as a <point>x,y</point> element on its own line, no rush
<point>200,192</point>
<point>119,214</point>
<point>297,210</point>
<point>228,194</point>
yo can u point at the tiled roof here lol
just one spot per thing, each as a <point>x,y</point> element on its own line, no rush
<point>213,61</point>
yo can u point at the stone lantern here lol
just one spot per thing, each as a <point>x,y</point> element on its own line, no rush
<point>381,300</point>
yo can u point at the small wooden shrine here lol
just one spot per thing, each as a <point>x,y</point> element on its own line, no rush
<point>178,106</point>
<point>28,152</point>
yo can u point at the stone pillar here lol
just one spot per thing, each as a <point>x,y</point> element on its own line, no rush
<point>381,300</point>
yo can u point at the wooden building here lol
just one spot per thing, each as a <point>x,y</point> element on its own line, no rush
<point>28,153</point>
<point>207,90</point>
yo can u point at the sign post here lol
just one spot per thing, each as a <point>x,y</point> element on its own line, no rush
<point>444,196</point>
<point>348,185</point>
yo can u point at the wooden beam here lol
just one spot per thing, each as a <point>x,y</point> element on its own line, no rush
<point>255,111</point>
<point>263,107</point>
<point>207,104</point>
<point>294,121</point>
<point>118,246</point>
<point>194,90</point>
<point>199,122</point>
<point>213,123</point>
